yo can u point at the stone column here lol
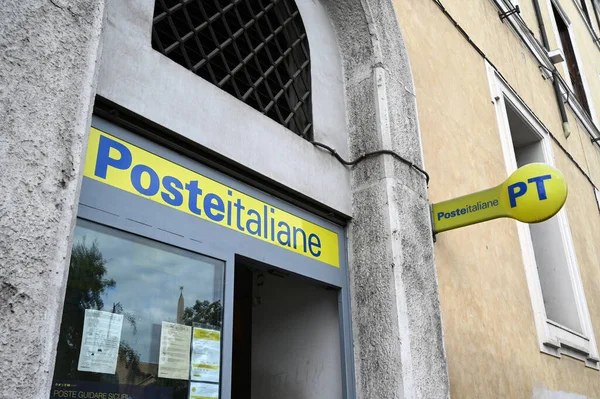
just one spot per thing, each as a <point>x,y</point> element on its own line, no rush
<point>48,55</point>
<point>397,328</point>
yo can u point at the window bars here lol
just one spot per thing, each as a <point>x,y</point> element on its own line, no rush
<point>256,50</point>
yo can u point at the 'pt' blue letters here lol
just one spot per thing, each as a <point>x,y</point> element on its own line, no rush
<point>539,182</point>
<point>513,194</point>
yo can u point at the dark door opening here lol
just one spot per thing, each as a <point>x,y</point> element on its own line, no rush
<point>286,340</point>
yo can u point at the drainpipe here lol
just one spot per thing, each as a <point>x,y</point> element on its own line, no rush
<point>556,84</point>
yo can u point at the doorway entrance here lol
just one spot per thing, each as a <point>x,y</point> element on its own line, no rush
<point>204,287</point>
<point>286,340</point>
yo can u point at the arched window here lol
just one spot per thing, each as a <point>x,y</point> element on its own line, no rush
<point>256,50</point>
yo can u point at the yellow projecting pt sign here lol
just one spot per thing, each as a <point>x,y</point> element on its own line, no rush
<point>532,194</point>
<point>127,167</point>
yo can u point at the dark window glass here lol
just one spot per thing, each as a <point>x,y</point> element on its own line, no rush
<point>571,61</point>
<point>256,50</point>
<point>140,319</point>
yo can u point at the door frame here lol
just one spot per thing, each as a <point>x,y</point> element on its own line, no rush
<point>109,206</point>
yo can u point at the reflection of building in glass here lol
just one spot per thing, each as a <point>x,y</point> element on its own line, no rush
<point>180,306</point>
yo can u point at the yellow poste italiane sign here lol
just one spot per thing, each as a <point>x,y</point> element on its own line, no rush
<point>127,167</point>
<point>532,194</point>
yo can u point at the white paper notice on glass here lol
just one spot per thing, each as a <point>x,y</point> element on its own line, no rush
<point>206,355</point>
<point>174,358</point>
<point>202,390</point>
<point>100,342</point>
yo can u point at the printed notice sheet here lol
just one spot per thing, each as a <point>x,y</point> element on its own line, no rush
<point>100,342</point>
<point>201,390</point>
<point>174,358</point>
<point>206,355</point>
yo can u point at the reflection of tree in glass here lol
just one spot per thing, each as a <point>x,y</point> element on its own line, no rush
<point>85,287</point>
<point>205,312</point>
<point>118,309</point>
<point>130,358</point>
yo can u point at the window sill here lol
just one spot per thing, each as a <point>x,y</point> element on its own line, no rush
<point>563,341</point>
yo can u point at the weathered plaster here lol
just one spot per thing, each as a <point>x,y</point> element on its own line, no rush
<point>48,52</point>
<point>399,350</point>
<point>489,327</point>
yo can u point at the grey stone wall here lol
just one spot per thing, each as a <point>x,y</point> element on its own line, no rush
<point>398,339</point>
<point>48,55</point>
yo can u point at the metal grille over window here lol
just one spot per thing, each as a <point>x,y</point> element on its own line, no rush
<point>256,50</point>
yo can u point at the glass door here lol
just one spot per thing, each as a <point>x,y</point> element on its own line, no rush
<point>141,320</point>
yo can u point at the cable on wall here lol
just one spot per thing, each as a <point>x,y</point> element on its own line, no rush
<point>480,52</point>
<point>369,155</point>
<point>412,164</point>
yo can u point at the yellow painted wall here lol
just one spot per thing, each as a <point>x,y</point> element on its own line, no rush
<point>490,335</point>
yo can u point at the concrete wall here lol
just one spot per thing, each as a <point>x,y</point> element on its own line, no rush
<point>399,350</point>
<point>48,54</point>
<point>489,328</point>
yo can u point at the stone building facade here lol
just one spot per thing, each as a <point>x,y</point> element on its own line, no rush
<point>131,128</point>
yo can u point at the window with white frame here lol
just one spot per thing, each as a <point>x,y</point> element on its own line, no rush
<point>563,33</point>
<point>561,314</point>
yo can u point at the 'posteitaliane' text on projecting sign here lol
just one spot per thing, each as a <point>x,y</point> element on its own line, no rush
<point>532,194</point>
